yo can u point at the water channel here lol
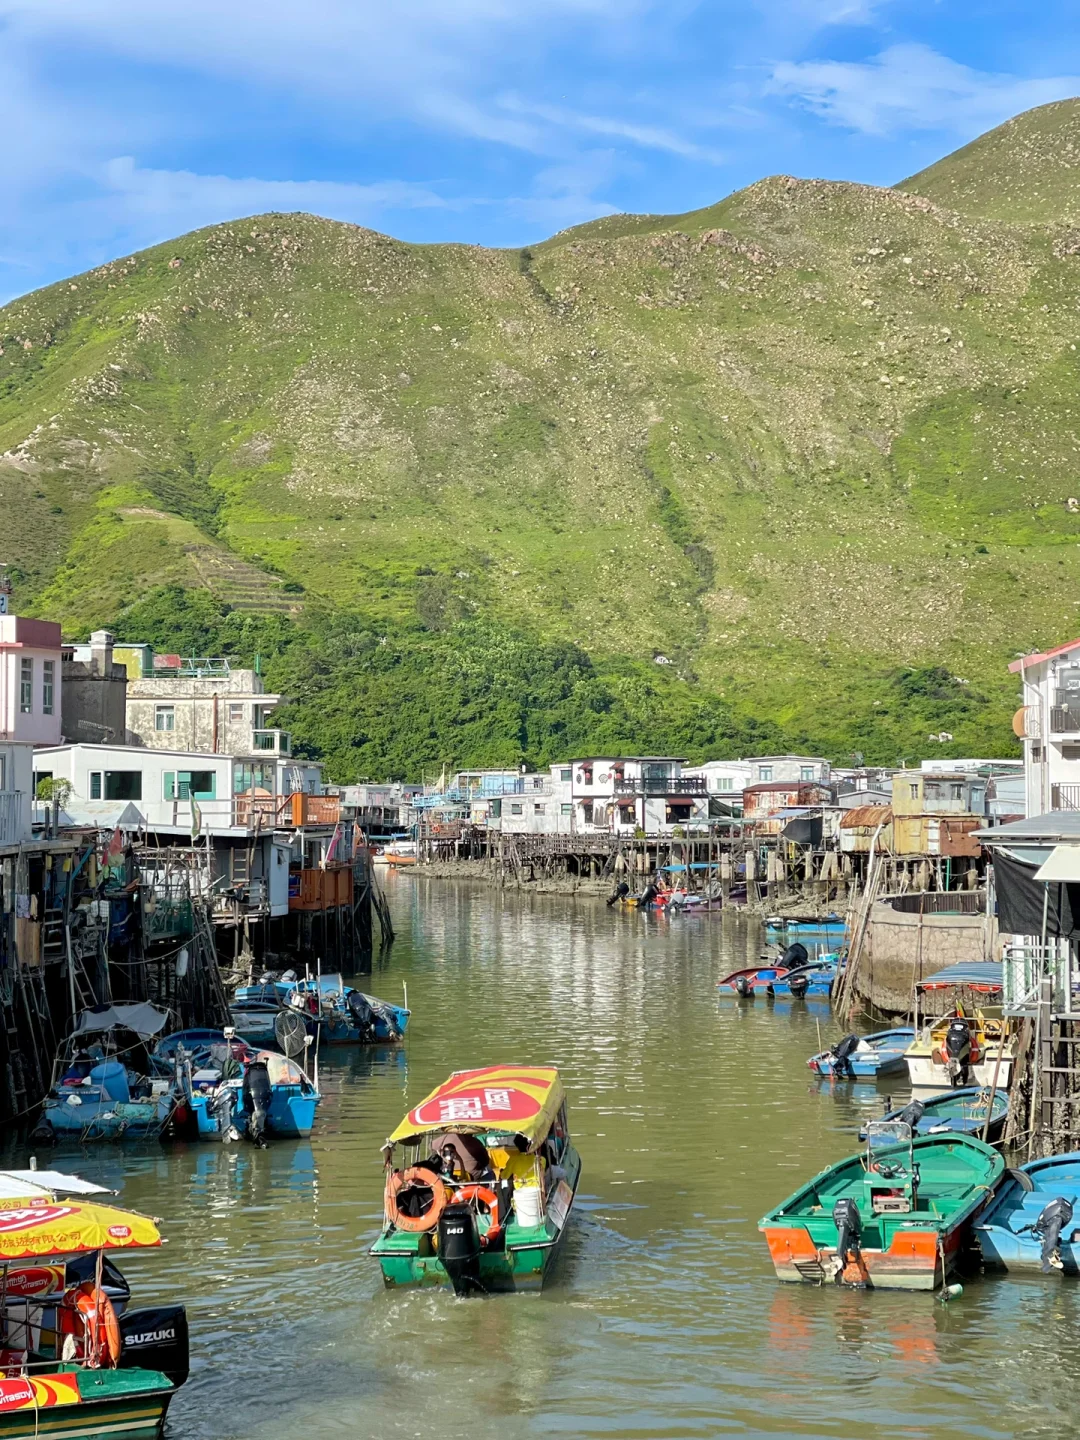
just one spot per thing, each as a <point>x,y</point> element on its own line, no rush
<point>663,1318</point>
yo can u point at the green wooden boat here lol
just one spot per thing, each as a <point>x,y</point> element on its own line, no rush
<point>74,1402</point>
<point>894,1217</point>
<point>482,1201</point>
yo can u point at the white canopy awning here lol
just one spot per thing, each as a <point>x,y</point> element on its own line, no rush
<point>143,1020</point>
<point>34,1184</point>
<point>1061,866</point>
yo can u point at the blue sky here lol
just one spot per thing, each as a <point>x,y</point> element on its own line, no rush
<point>127,122</point>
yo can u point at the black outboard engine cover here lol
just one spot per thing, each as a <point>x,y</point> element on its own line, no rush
<point>848,1224</point>
<point>459,1249</point>
<point>799,984</point>
<point>743,987</point>
<point>912,1114</point>
<point>958,1050</point>
<point>257,1099</point>
<point>81,1268</point>
<point>363,1017</point>
<point>795,955</point>
<point>1052,1220</point>
<point>841,1054</point>
<point>156,1338</point>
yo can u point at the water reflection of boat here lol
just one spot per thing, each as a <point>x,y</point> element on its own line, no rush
<point>489,1179</point>
<point>73,1362</point>
<point>867,1056</point>
<point>964,1110</point>
<point>1029,1225</point>
<point>892,1218</point>
<point>782,929</point>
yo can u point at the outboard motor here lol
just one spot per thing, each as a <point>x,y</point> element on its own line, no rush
<point>459,1249</point>
<point>912,1114</point>
<point>1052,1220</point>
<point>799,983</point>
<point>958,1052</point>
<point>841,1054</point>
<point>363,1017</point>
<point>619,893</point>
<point>744,987</point>
<point>795,955</point>
<point>155,1338</point>
<point>848,1224</point>
<point>257,1100</point>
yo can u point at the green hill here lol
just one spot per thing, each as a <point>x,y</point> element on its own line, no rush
<point>814,446</point>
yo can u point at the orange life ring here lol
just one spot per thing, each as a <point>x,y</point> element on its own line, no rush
<point>100,1325</point>
<point>399,1180</point>
<point>487,1197</point>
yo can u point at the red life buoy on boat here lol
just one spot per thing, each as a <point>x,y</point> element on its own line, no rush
<point>100,1327</point>
<point>487,1197</point>
<point>421,1178</point>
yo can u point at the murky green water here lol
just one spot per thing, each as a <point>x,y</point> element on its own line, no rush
<point>663,1318</point>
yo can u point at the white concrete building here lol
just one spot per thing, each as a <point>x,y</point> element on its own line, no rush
<point>30,684</point>
<point>171,791</point>
<point>619,795</point>
<point>725,779</point>
<point>776,769</point>
<point>1048,723</point>
<point>203,705</point>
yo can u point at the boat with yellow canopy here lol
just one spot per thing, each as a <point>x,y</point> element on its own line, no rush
<point>487,1181</point>
<point>71,1363</point>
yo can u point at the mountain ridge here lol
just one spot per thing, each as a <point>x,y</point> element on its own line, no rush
<point>799,444</point>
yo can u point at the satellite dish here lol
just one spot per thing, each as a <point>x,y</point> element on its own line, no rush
<point>290,1033</point>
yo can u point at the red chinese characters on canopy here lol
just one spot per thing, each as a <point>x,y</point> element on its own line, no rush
<point>500,1106</point>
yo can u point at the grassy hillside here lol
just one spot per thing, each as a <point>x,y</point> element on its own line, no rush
<point>813,445</point>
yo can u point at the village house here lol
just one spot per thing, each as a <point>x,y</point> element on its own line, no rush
<point>203,704</point>
<point>1048,724</point>
<point>803,769</point>
<point>937,812</point>
<point>621,795</point>
<point>94,692</point>
<point>30,705</point>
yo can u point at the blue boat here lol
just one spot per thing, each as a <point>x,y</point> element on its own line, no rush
<point>780,929</point>
<point>963,1111</point>
<point>95,1094</point>
<point>105,1103</point>
<point>1029,1224</point>
<point>264,1094</point>
<point>341,1014</point>
<point>864,1056</point>
<point>815,978</point>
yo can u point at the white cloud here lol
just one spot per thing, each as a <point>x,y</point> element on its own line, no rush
<point>912,87</point>
<point>648,137</point>
<point>184,197</point>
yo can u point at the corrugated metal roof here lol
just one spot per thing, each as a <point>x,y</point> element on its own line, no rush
<point>1058,825</point>
<point>866,815</point>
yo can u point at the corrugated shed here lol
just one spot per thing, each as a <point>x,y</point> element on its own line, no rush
<point>868,815</point>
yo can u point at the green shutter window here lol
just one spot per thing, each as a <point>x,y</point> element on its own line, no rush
<point>95,784</point>
<point>168,785</point>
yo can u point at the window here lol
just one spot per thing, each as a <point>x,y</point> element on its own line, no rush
<point>566,775</point>
<point>164,717</point>
<point>722,782</point>
<point>678,812</point>
<point>587,813</point>
<point>566,809</point>
<point>914,791</point>
<point>586,774</point>
<point>3,775</point>
<point>806,772</point>
<point>764,774</point>
<point>496,809</point>
<point>122,785</point>
<point>627,815</point>
<point>1036,755</point>
<point>236,714</point>
<point>538,809</point>
<point>261,777</point>
<point>189,784</point>
<point>957,792</point>
<point>95,784</point>
<point>48,686</point>
<point>515,809</point>
<point>538,782</point>
<point>26,687</point>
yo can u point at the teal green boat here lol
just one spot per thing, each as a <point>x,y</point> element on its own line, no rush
<point>892,1218</point>
<point>482,1200</point>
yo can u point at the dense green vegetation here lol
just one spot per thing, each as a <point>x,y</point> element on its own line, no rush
<point>814,447</point>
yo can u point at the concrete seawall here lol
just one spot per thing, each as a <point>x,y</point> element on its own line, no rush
<point>907,944</point>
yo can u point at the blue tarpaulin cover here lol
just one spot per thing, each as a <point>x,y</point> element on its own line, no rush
<point>979,974</point>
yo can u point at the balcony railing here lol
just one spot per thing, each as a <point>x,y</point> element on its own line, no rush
<point>278,742</point>
<point>1064,720</point>
<point>293,811</point>
<point>10,817</point>
<point>1065,797</point>
<point>663,785</point>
